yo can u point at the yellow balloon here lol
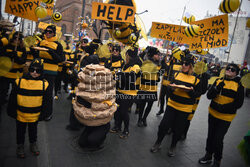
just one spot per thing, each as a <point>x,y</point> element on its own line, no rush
<point>40,12</point>
<point>229,6</point>
<point>188,20</point>
<point>248,23</point>
<point>192,30</point>
<point>5,65</point>
<point>245,80</point>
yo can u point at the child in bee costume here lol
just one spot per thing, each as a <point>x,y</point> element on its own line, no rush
<point>179,104</point>
<point>27,105</point>
<point>227,96</point>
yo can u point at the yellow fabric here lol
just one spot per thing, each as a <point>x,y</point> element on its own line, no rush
<point>165,82</point>
<point>190,117</point>
<point>4,41</point>
<point>27,117</point>
<point>32,84</point>
<point>108,102</point>
<point>29,101</point>
<point>222,116</point>
<point>50,67</point>
<point>179,106</point>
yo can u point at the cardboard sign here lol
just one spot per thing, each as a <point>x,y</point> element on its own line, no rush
<point>213,33</point>
<point>43,26</point>
<point>111,12</point>
<point>25,8</point>
<point>169,32</point>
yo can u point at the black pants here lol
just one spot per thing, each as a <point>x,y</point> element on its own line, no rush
<point>51,80</point>
<point>217,130</point>
<point>93,136</point>
<point>163,96</point>
<point>186,127</point>
<point>122,115</point>
<point>21,130</point>
<point>143,115</point>
<point>172,119</point>
<point>58,81</point>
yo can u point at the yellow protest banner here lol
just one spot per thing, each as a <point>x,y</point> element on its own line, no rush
<point>25,8</point>
<point>111,12</point>
<point>169,32</point>
<point>43,26</point>
<point>213,33</point>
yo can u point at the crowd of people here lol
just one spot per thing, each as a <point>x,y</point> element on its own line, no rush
<point>137,76</point>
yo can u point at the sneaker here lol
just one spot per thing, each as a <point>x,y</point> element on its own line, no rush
<point>140,124</point>
<point>20,151</point>
<point>155,148</point>
<point>72,128</point>
<point>34,149</point>
<point>115,130</point>
<point>207,159</point>
<point>159,113</point>
<point>216,163</point>
<point>171,152</point>
<point>124,135</point>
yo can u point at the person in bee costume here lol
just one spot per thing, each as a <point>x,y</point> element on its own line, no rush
<point>150,77</point>
<point>170,68</point>
<point>27,105</point>
<point>227,96</point>
<point>16,51</point>
<point>179,105</point>
<point>115,63</point>
<point>52,57</point>
<point>126,92</point>
<point>90,56</point>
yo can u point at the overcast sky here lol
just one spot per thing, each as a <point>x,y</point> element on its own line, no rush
<point>170,11</point>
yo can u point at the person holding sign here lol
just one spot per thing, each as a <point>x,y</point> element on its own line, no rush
<point>51,51</point>
<point>227,96</point>
<point>182,90</point>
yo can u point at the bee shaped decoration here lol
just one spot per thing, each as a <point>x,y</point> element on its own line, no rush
<point>229,6</point>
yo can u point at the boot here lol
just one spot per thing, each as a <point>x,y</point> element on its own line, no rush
<point>207,159</point>
<point>216,163</point>
<point>34,149</point>
<point>115,130</point>
<point>156,147</point>
<point>20,151</point>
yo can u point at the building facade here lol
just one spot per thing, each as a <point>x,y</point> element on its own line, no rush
<point>71,10</point>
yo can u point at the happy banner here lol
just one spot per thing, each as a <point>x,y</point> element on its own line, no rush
<point>213,33</point>
<point>111,12</point>
<point>25,8</point>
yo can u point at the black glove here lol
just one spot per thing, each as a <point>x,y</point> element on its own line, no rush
<point>220,86</point>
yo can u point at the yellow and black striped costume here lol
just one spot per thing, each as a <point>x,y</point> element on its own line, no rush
<point>149,79</point>
<point>181,100</point>
<point>127,82</point>
<point>114,63</point>
<point>18,58</point>
<point>71,57</point>
<point>27,98</point>
<point>51,57</point>
<point>225,104</point>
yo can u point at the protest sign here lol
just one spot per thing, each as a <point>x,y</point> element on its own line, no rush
<point>213,33</point>
<point>111,12</point>
<point>25,8</point>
